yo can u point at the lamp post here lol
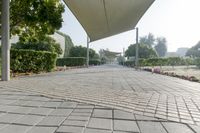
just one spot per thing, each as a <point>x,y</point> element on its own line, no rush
<point>88,50</point>
<point>5,40</point>
<point>137,49</point>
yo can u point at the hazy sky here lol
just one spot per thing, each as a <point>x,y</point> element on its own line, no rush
<point>177,20</point>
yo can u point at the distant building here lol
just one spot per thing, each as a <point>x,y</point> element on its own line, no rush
<point>182,51</point>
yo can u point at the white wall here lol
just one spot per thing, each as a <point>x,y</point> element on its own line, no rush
<point>61,40</point>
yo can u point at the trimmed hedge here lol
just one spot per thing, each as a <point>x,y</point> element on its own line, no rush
<point>197,62</point>
<point>71,61</point>
<point>95,62</point>
<point>171,61</point>
<point>32,61</point>
<point>129,63</point>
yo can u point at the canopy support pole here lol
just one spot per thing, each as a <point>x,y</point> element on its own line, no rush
<point>5,39</point>
<point>88,49</point>
<point>137,50</point>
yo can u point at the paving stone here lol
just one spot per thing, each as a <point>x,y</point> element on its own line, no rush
<point>69,129</point>
<point>61,112</point>
<point>7,108</point>
<point>140,93</point>
<point>151,127</point>
<point>67,105</point>
<point>195,128</point>
<point>52,104</point>
<point>118,114</point>
<point>41,111</point>
<point>102,113</point>
<point>3,125</point>
<point>123,132</point>
<point>85,106</point>
<point>7,101</point>
<point>15,129</point>
<point>9,118</point>
<point>83,110</point>
<point>35,103</point>
<point>100,123</point>
<point>75,123</point>
<point>96,131</point>
<point>42,130</point>
<point>23,110</point>
<point>80,114</point>
<point>80,118</point>
<point>29,120</point>
<point>122,125</point>
<point>51,121</point>
<point>140,117</point>
<point>176,128</point>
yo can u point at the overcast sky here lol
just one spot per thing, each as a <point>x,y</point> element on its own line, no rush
<point>177,20</point>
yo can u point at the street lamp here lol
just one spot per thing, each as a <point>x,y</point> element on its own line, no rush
<point>88,50</point>
<point>137,49</point>
<point>5,40</point>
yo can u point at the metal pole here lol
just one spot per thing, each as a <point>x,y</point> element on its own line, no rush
<point>137,49</point>
<point>5,39</point>
<point>123,56</point>
<point>88,43</point>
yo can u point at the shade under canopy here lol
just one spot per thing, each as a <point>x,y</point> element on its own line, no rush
<point>104,18</point>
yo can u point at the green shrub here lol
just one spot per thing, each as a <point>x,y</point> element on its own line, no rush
<point>171,61</point>
<point>129,63</point>
<point>197,62</point>
<point>32,61</point>
<point>71,61</point>
<point>94,62</point>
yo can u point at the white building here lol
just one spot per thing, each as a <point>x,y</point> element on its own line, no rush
<point>58,37</point>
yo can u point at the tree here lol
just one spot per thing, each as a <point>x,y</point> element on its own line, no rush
<point>144,51</point>
<point>32,19</point>
<point>79,51</point>
<point>161,46</point>
<point>47,44</point>
<point>148,40</point>
<point>194,51</point>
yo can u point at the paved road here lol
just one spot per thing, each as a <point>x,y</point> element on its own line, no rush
<point>139,97</point>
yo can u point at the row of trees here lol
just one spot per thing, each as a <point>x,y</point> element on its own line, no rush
<point>194,51</point>
<point>159,44</point>
<point>149,47</point>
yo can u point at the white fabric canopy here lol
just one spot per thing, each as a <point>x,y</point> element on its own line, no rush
<point>104,18</point>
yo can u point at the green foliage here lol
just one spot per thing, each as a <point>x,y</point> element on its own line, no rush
<point>148,40</point>
<point>47,44</point>
<point>34,18</point>
<point>154,62</point>
<point>71,61</point>
<point>103,60</point>
<point>144,51</point>
<point>174,61</point>
<point>129,63</point>
<point>95,62</point>
<point>68,43</point>
<point>197,62</point>
<point>32,61</point>
<point>188,61</point>
<point>161,46</point>
<point>194,51</point>
<point>171,61</point>
<point>79,51</point>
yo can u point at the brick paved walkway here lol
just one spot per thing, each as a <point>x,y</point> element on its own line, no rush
<point>163,99</point>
